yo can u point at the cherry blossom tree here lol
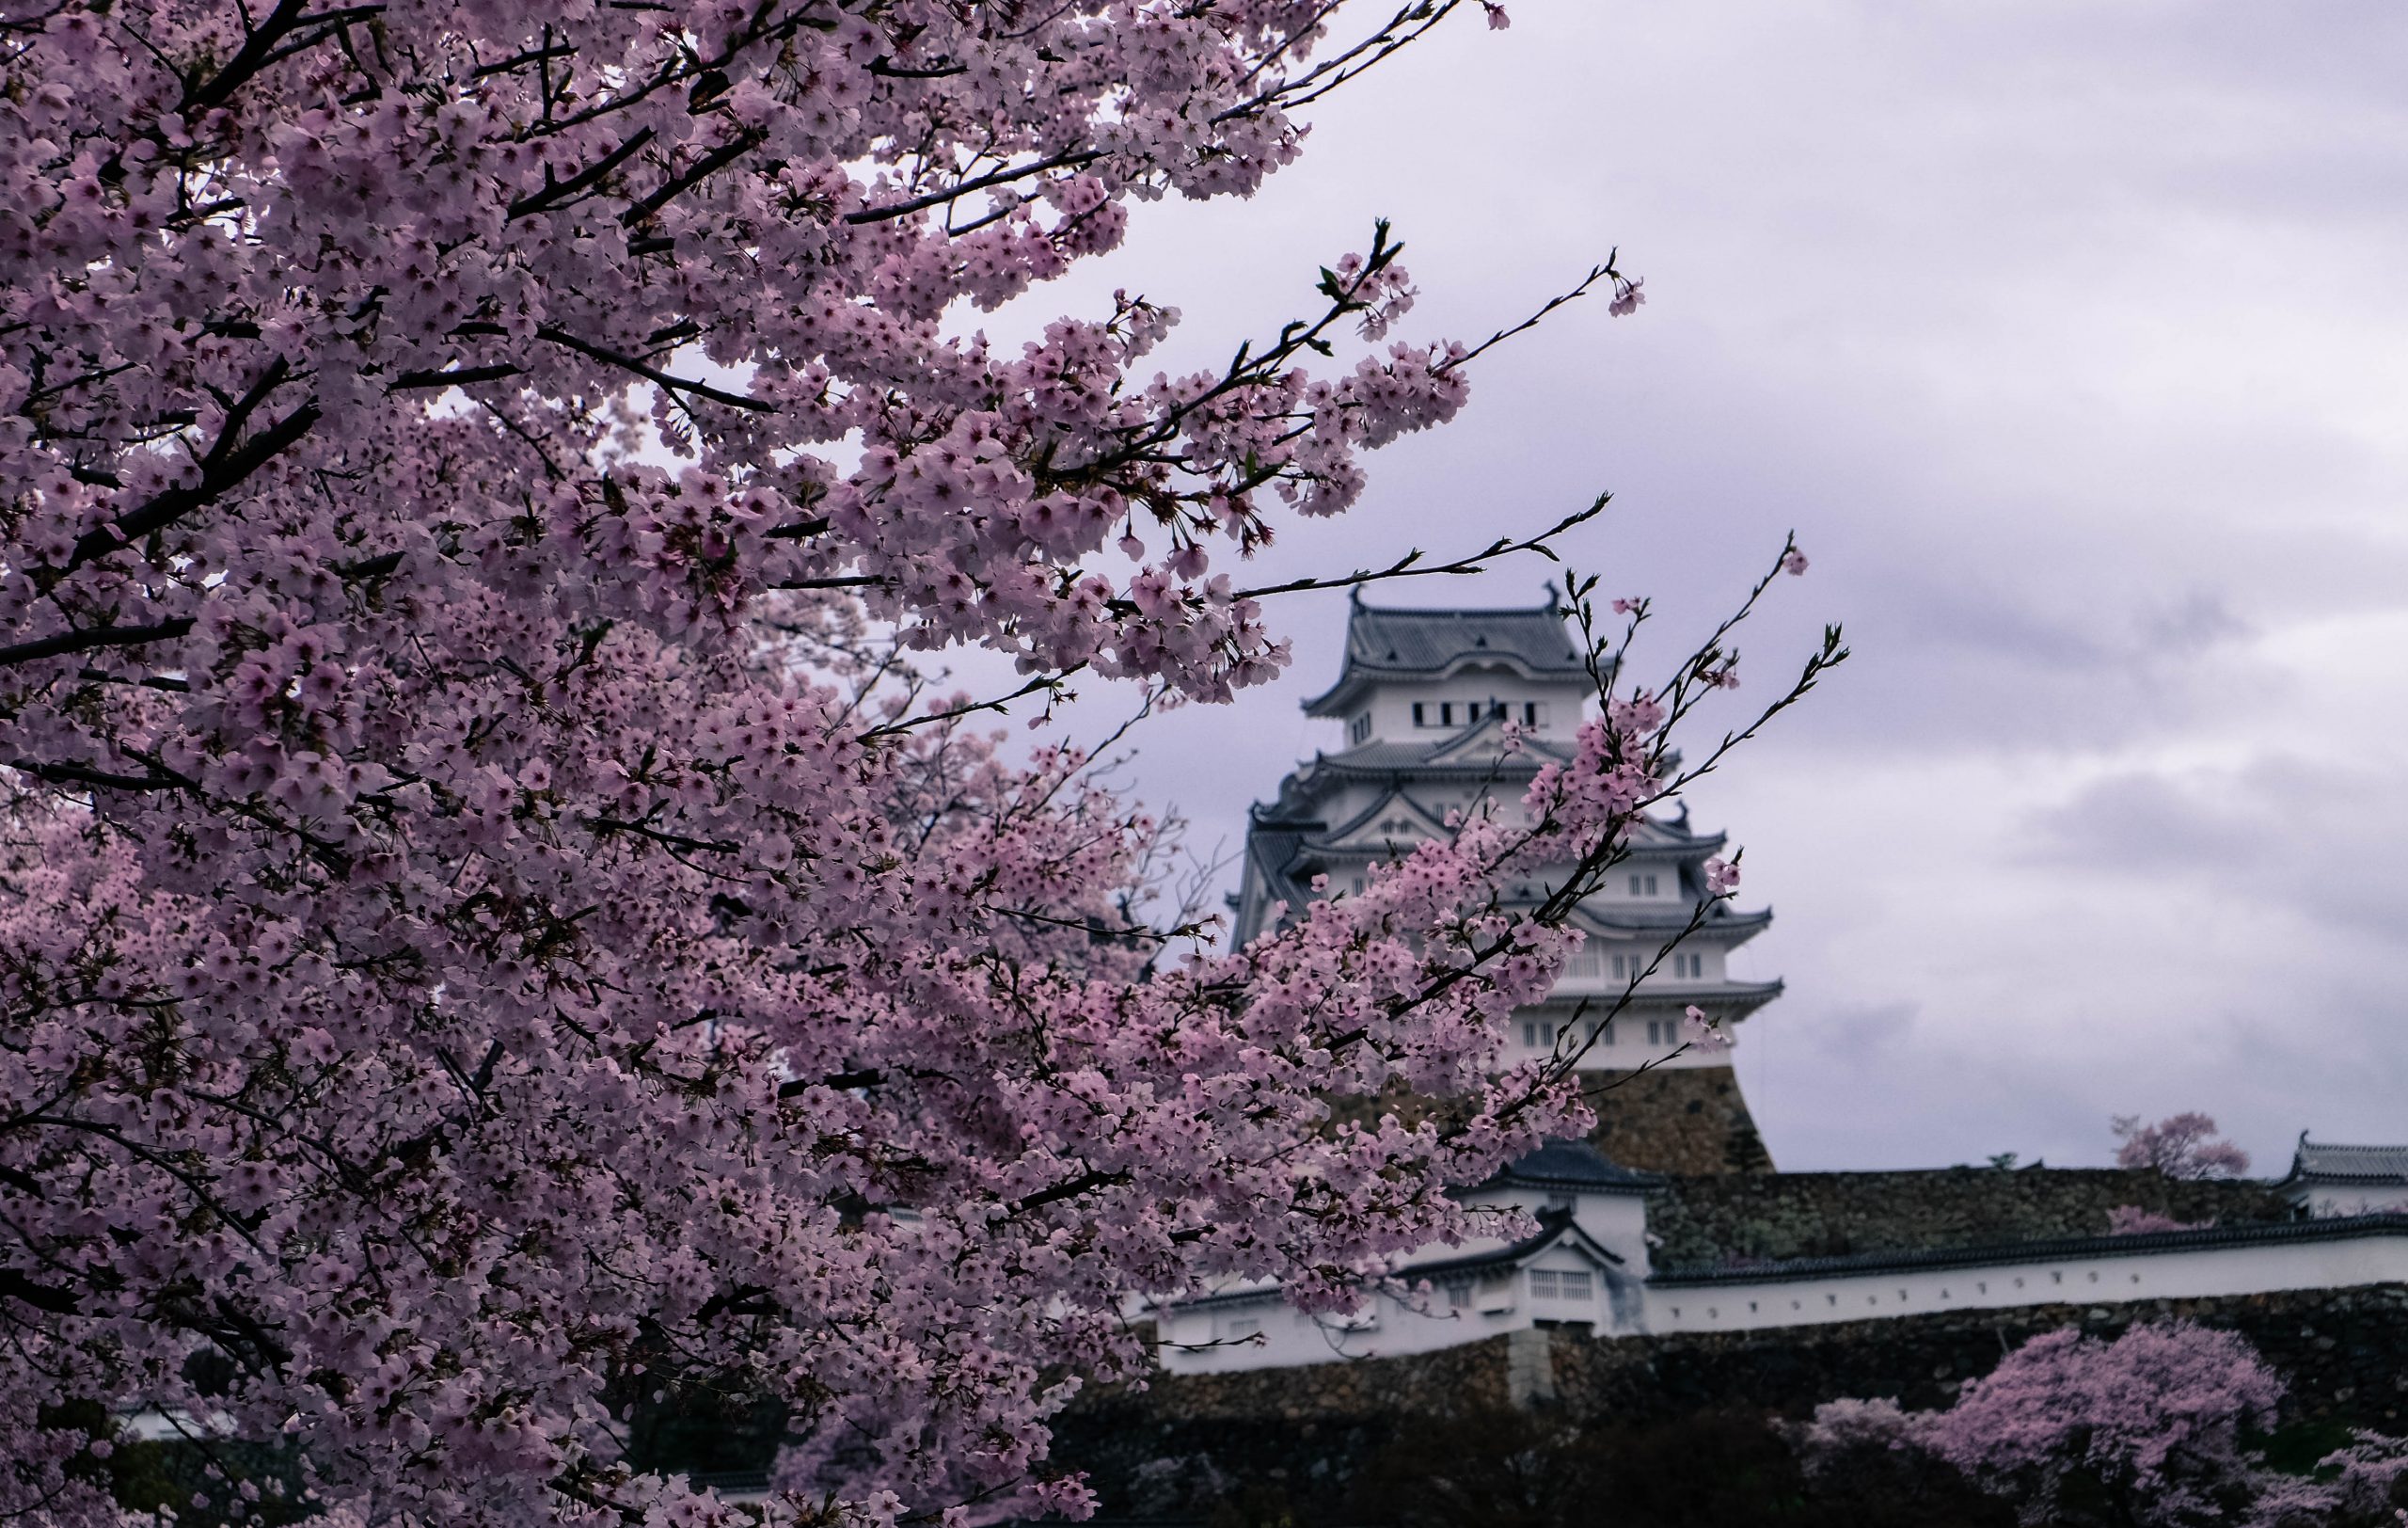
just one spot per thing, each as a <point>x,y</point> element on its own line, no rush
<point>2156,1428</point>
<point>496,927</point>
<point>2182,1145</point>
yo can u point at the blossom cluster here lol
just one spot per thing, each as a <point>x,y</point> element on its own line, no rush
<point>2160,1426</point>
<point>483,947</point>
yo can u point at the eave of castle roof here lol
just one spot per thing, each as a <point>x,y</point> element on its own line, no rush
<point>1572,1164</point>
<point>1555,1226</point>
<point>2321,1162</point>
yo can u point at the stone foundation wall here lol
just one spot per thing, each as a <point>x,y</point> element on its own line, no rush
<point>1716,1219</point>
<point>1682,1120</point>
<point>2344,1352</point>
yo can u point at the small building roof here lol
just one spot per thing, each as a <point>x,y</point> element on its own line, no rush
<point>2314,1161</point>
<point>1574,1165</point>
<point>1555,1226</point>
<point>1386,644</point>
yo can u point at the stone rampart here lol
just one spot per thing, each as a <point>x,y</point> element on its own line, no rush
<point>1683,1120</point>
<point>2344,1353</point>
<point>1720,1219</point>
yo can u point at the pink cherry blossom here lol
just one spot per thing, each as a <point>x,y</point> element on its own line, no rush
<point>2182,1145</point>
<point>500,923</point>
<point>1705,1032</point>
<point>2156,1427</point>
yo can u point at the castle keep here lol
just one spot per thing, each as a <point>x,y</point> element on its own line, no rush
<point>1424,699</point>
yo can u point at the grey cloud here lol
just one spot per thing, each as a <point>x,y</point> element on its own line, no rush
<point>2069,337</point>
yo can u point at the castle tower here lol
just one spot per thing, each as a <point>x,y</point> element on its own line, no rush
<point>1422,696</point>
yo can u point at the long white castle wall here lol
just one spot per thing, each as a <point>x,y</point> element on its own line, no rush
<point>1265,1334</point>
<point>2113,1278</point>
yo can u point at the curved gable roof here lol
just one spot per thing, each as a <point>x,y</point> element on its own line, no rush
<point>2327,1162</point>
<point>1408,643</point>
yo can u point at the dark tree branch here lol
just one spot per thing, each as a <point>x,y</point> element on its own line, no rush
<point>224,467</point>
<point>555,192</point>
<point>78,774</point>
<point>459,377</point>
<point>61,643</point>
<point>700,170</point>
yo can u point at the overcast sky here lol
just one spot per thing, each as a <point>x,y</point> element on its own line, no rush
<point>2072,339</point>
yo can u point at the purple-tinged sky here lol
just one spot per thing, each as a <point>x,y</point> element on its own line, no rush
<point>2073,340</point>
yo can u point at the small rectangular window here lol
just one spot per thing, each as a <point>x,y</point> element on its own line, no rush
<point>1574,1284</point>
<point>1543,1284</point>
<point>1446,713</point>
<point>1418,720</point>
<point>1606,1032</point>
<point>1635,881</point>
<point>1529,1034</point>
<point>1529,713</point>
<point>1459,1297</point>
<point>1244,1328</point>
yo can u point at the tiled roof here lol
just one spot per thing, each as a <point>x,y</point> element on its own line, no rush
<point>1572,1164</point>
<point>2350,1164</point>
<point>1554,1226</point>
<point>1383,642</point>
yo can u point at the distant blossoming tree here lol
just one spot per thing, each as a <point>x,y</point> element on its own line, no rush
<point>493,932</point>
<point>2179,1146</point>
<point>2152,1429</point>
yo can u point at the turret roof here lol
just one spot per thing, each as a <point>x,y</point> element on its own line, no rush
<point>1386,644</point>
<point>1572,1164</point>
<point>2319,1161</point>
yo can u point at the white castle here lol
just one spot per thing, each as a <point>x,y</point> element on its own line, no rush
<point>1423,697</point>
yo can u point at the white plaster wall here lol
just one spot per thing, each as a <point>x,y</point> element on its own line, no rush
<point>1283,1338</point>
<point>1392,704</point>
<point>2165,1275</point>
<point>1591,970</point>
<point>1525,1039</point>
<point>1620,1305</point>
<point>2324,1201</point>
<point>1492,1301</point>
